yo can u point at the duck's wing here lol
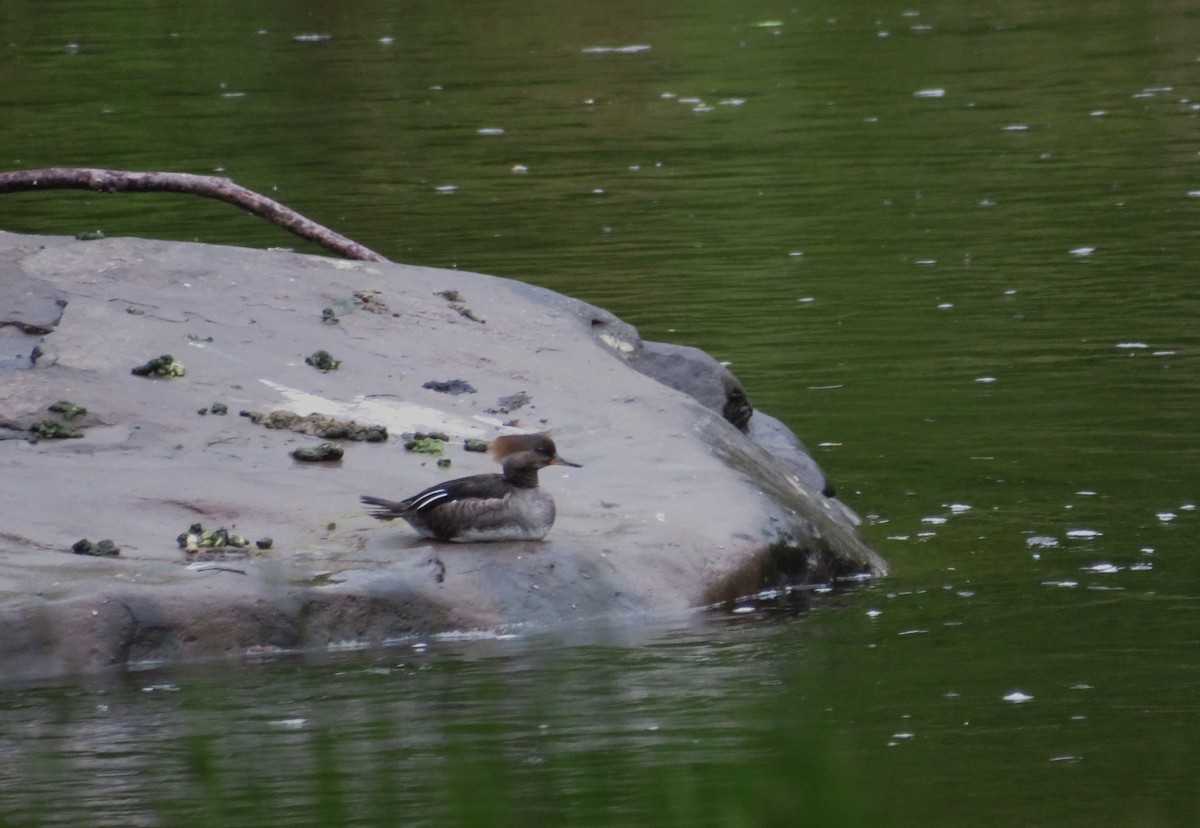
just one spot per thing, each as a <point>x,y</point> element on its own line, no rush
<point>478,489</point>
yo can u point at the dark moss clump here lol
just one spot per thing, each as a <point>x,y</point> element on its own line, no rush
<point>475,444</point>
<point>322,361</point>
<point>54,430</point>
<point>68,409</point>
<point>370,301</point>
<point>161,366</point>
<point>318,425</point>
<point>101,549</point>
<point>452,387</point>
<point>197,538</point>
<point>317,454</point>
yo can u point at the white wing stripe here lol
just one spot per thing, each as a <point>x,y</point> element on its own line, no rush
<point>429,498</point>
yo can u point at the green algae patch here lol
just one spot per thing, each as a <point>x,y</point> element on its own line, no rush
<point>432,443</point>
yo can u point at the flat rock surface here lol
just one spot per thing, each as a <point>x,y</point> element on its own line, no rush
<point>674,507</point>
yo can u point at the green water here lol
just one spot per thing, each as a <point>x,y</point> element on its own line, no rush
<point>982,298</point>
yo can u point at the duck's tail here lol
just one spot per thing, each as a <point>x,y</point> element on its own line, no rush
<point>384,509</point>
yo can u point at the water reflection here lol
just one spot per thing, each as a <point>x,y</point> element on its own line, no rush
<point>692,723</point>
<point>564,732</point>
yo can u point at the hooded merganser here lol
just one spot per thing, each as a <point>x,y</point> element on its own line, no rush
<point>485,507</point>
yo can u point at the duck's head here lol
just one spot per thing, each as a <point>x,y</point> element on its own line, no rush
<point>530,451</point>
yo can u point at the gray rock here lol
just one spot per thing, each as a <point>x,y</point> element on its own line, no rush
<point>781,443</point>
<point>698,375</point>
<point>30,305</point>
<point>676,506</point>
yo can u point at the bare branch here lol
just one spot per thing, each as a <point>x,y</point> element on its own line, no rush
<point>207,186</point>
